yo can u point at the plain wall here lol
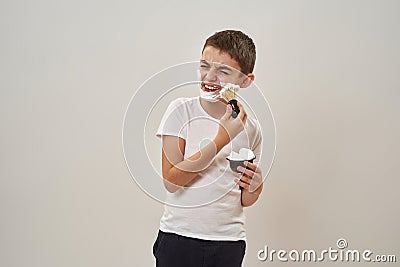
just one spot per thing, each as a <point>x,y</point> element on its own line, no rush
<point>68,69</point>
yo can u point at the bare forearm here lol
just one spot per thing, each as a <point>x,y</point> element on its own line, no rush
<point>178,172</point>
<point>249,198</point>
<point>185,171</point>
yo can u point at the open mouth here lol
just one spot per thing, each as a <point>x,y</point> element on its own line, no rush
<point>207,87</point>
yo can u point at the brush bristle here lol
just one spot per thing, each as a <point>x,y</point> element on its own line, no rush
<point>229,94</point>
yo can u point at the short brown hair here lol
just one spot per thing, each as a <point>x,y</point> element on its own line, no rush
<point>238,45</point>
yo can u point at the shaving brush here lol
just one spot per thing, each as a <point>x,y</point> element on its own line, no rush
<point>229,94</point>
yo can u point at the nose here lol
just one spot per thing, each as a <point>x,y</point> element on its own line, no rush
<point>211,75</point>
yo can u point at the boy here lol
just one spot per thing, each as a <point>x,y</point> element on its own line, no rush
<point>205,226</point>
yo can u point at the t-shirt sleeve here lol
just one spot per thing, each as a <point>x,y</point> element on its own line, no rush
<point>173,121</point>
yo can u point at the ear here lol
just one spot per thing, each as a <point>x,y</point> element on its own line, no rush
<point>247,80</point>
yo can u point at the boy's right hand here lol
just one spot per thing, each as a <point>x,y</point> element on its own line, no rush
<point>230,127</point>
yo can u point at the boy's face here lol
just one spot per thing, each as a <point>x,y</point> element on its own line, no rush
<point>218,68</point>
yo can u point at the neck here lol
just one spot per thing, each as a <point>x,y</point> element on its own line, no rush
<point>214,109</point>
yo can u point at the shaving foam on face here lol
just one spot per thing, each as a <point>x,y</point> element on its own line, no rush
<point>208,96</point>
<point>215,96</point>
<point>226,86</point>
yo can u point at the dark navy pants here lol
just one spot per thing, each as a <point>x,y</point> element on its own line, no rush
<point>172,250</point>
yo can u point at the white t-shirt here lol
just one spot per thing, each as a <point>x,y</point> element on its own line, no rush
<point>210,206</point>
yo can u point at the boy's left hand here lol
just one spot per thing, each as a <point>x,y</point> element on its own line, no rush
<point>249,179</point>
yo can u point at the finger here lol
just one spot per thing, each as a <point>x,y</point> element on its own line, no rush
<point>252,166</point>
<point>245,179</point>
<point>245,119</point>
<point>254,186</point>
<point>240,173</point>
<point>248,172</point>
<point>241,106</point>
<point>242,113</point>
<point>228,112</point>
<point>242,184</point>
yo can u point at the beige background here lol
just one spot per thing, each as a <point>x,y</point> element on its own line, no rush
<point>69,68</point>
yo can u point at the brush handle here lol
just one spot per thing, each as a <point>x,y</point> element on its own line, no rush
<point>235,108</point>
